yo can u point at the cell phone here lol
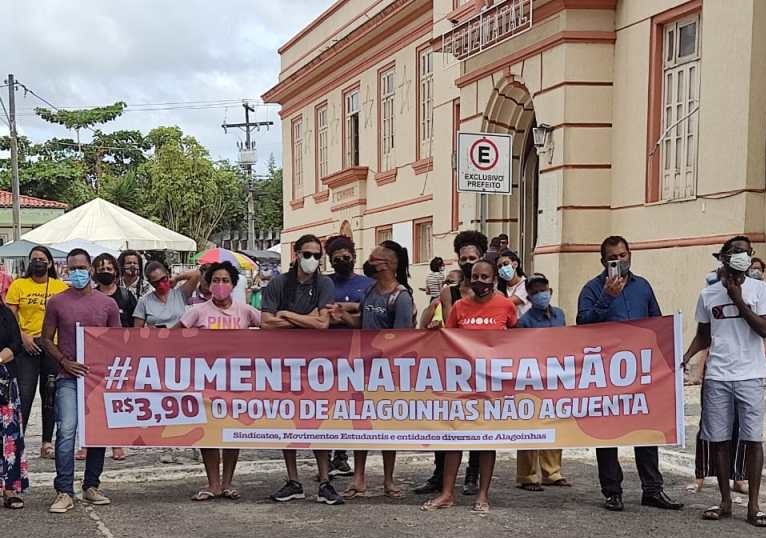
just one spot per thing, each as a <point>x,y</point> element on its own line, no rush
<point>613,268</point>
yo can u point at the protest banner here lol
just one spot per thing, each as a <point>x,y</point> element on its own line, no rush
<point>612,384</point>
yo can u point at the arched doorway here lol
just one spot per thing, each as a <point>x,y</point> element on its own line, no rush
<point>510,110</point>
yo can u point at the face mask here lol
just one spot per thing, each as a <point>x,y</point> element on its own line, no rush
<point>309,265</point>
<point>104,278</point>
<point>740,261</point>
<point>162,287</point>
<point>221,291</point>
<point>38,267</point>
<point>130,270</point>
<point>467,268</point>
<point>79,278</point>
<point>755,273</point>
<point>343,268</point>
<point>370,270</point>
<point>507,272</point>
<point>482,289</point>
<point>540,300</point>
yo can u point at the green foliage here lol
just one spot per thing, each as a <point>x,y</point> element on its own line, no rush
<point>81,119</point>
<point>268,198</point>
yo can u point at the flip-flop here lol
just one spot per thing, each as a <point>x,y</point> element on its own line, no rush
<point>119,456</point>
<point>13,503</point>
<point>715,513</point>
<point>560,483</point>
<point>353,493</point>
<point>480,508</point>
<point>203,495</point>
<point>430,506</point>
<point>393,493</point>
<point>81,455</point>
<point>530,487</point>
<point>232,494</point>
<point>47,452</point>
<point>757,520</point>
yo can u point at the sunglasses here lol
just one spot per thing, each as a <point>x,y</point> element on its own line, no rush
<point>342,259</point>
<point>156,283</point>
<point>309,255</point>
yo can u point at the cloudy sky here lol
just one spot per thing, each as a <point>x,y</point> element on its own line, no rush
<point>192,58</point>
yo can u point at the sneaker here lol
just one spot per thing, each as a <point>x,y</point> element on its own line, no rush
<point>340,467</point>
<point>328,495</point>
<point>291,490</point>
<point>94,496</point>
<point>432,485</point>
<point>63,504</point>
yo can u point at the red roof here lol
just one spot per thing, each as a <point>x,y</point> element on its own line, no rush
<point>6,200</point>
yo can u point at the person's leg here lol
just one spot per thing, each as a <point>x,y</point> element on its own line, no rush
<point>28,372</point>
<point>526,467</point>
<point>748,396</point>
<point>717,422</point>
<point>471,486</point>
<point>230,458</point>
<point>648,465</point>
<point>359,481</point>
<point>389,462</point>
<point>721,452</point>
<point>94,466</point>
<point>451,465</point>
<point>323,463</point>
<point>754,470</point>
<point>609,471</point>
<point>48,367</point>
<point>211,457</point>
<point>550,467</point>
<point>291,463</point>
<point>486,468</point>
<point>66,431</point>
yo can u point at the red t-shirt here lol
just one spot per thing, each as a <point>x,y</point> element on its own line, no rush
<point>497,314</point>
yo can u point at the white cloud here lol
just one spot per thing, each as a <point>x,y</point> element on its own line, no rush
<point>95,52</point>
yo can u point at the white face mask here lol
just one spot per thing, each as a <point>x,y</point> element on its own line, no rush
<point>740,261</point>
<point>310,265</point>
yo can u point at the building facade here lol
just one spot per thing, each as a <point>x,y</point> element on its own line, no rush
<point>653,113</point>
<point>34,212</point>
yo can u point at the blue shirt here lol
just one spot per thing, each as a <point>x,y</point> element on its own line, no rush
<point>536,318</point>
<point>637,301</point>
<point>352,289</point>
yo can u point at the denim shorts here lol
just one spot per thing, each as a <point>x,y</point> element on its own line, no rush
<point>719,401</point>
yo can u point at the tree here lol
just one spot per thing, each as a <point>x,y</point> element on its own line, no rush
<point>268,198</point>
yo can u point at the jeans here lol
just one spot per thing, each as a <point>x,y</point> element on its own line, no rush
<point>66,432</point>
<point>610,472</point>
<point>33,371</point>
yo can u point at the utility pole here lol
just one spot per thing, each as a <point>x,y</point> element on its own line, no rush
<point>14,158</point>
<point>246,160</point>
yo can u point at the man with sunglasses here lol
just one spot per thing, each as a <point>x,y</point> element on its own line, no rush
<point>731,316</point>
<point>300,299</point>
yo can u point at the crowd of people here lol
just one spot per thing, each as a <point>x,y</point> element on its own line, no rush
<point>40,314</point>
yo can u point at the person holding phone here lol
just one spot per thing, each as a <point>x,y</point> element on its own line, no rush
<point>617,294</point>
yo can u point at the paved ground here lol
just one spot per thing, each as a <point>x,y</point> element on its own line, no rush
<point>151,500</point>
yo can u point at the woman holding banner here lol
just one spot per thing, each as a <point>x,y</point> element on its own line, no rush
<point>386,305</point>
<point>485,310</point>
<point>220,312</point>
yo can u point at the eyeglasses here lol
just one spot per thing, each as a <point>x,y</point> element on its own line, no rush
<point>309,255</point>
<point>342,259</point>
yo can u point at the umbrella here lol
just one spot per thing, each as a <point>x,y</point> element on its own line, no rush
<point>217,255</point>
<point>21,248</point>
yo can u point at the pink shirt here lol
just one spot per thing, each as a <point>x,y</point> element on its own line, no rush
<point>208,316</point>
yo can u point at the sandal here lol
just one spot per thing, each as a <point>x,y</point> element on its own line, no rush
<point>530,487</point>
<point>560,483</point>
<point>81,455</point>
<point>204,495</point>
<point>232,494</point>
<point>394,493</point>
<point>757,520</point>
<point>47,452</point>
<point>715,513</point>
<point>353,493</point>
<point>431,506</point>
<point>13,503</point>
<point>480,508</point>
<point>118,454</point>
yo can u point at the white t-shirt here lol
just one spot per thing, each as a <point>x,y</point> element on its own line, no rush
<point>736,350</point>
<point>519,290</point>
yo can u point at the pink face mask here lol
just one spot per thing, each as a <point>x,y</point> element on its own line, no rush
<point>221,291</point>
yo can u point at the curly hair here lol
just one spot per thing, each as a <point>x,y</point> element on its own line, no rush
<point>339,242</point>
<point>471,238</point>
<point>217,266</point>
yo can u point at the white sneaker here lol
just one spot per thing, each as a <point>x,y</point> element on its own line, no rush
<point>63,504</point>
<point>94,496</point>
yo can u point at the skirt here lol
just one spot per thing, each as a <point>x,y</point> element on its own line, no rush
<point>14,469</point>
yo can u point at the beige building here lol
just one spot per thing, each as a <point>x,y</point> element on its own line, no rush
<point>652,117</point>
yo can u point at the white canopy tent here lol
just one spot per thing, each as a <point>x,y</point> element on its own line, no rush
<point>110,226</point>
<point>94,249</point>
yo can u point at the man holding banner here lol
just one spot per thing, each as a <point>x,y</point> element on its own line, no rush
<point>619,295</point>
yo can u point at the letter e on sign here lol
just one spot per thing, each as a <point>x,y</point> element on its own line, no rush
<point>484,163</point>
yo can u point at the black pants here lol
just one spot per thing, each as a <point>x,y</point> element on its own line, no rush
<point>471,471</point>
<point>610,472</point>
<point>33,371</point>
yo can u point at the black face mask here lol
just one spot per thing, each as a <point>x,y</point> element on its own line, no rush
<point>105,279</point>
<point>482,289</point>
<point>343,268</point>
<point>38,267</point>
<point>467,267</point>
<point>369,270</point>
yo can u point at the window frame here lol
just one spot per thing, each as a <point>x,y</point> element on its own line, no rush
<point>322,146</point>
<point>422,143</point>
<point>296,148</point>
<point>386,159</point>
<point>347,161</point>
<point>417,257</point>
<point>387,229</point>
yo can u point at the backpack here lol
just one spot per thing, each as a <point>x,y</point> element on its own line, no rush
<point>391,304</point>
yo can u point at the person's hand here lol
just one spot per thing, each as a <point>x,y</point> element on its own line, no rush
<point>435,324</point>
<point>734,288</point>
<point>74,368</point>
<point>614,285</point>
<point>29,344</point>
<point>336,312</point>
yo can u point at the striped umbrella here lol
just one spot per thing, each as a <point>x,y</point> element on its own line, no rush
<point>218,255</point>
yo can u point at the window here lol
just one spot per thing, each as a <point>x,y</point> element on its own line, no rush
<point>297,158</point>
<point>322,138</point>
<point>351,157</point>
<point>384,233</point>
<point>387,94</point>
<point>680,103</point>
<point>426,110</point>
<point>423,234</point>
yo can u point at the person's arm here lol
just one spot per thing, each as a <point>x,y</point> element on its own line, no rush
<point>13,344</point>
<point>451,322</point>
<point>654,306</point>
<point>139,314</point>
<point>700,342</point>
<point>50,325</point>
<point>446,299</point>
<point>318,319</point>
<point>138,323</point>
<point>512,319</point>
<point>403,311</point>
<point>428,315</point>
<point>756,321</point>
<point>190,281</point>
<point>273,321</point>
<point>593,304</point>
<point>113,316</point>
<point>12,300</point>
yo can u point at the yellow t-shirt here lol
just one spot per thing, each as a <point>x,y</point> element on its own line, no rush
<point>30,297</point>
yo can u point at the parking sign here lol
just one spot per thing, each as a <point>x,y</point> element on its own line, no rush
<point>484,163</point>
